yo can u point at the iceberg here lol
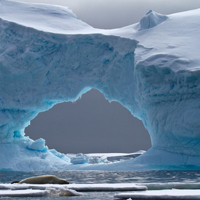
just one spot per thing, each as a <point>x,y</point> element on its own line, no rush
<point>80,159</point>
<point>112,157</point>
<point>48,56</point>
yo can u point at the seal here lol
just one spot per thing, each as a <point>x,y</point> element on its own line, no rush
<point>46,179</point>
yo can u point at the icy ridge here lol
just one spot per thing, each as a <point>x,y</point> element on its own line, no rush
<point>169,103</point>
<point>151,19</point>
<point>48,18</point>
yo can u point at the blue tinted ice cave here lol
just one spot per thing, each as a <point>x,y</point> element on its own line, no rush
<point>151,68</point>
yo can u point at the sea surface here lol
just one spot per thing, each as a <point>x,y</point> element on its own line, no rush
<point>104,177</point>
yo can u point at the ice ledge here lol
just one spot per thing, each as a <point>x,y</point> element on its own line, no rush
<point>151,19</point>
<point>162,194</point>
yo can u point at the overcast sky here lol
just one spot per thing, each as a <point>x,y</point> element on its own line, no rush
<point>92,124</point>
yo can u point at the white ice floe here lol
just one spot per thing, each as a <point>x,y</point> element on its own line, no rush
<point>87,159</point>
<point>161,194</point>
<point>27,190</point>
<point>24,186</point>
<point>23,193</point>
<point>115,154</point>
<point>76,187</point>
<point>80,159</point>
<point>173,185</point>
<point>51,191</point>
<point>107,187</point>
<point>112,157</point>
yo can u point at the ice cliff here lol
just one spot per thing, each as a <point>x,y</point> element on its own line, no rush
<point>47,56</point>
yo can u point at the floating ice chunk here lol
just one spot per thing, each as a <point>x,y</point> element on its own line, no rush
<point>151,19</point>
<point>112,157</point>
<point>39,190</point>
<point>38,145</point>
<point>23,193</point>
<point>30,186</point>
<point>38,193</point>
<point>164,186</point>
<point>115,154</point>
<point>97,159</point>
<point>60,155</point>
<point>161,194</point>
<point>62,192</point>
<point>107,187</point>
<point>80,159</point>
<point>87,158</point>
<point>125,156</point>
<point>76,187</point>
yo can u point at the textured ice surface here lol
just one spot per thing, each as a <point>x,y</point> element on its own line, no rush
<point>173,185</point>
<point>108,187</point>
<point>151,19</point>
<point>29,190</point>
<point>77,187</point>
<point>152,68</point>
<point>23,193</point>
<point>161,194</point>
<point>80,159</point>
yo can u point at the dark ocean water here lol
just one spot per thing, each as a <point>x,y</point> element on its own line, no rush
<point>105,177</point>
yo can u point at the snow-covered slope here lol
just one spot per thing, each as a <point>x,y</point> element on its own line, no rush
<point>42,17</point>
<point>152,68</point>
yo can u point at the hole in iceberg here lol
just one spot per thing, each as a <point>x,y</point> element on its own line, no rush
<point>91,124</point>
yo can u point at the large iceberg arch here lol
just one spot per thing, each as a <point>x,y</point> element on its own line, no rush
<point>57,58</point>
<point>39,70</point>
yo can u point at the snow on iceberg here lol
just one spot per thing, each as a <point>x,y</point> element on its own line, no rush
<point>154,73</point>
<point>42,17</point>
<point>38,145</point>
<point>151,19</point>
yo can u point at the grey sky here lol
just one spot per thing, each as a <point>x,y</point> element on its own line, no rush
<point>92,124</point>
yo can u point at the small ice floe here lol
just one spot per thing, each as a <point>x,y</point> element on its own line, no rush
<point>25,186</point>
<point>107,187</point>
<point>35,190</point>
<point>62,192</point>
<point>23,193</point>
<point>54,190</point>
<point>160,194</point>
<point>80,159</point>
<point>173,185</point>
<point>39,193</point>
<point>85,159</point>
<point>112,157</point>
<point>98,159</point>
